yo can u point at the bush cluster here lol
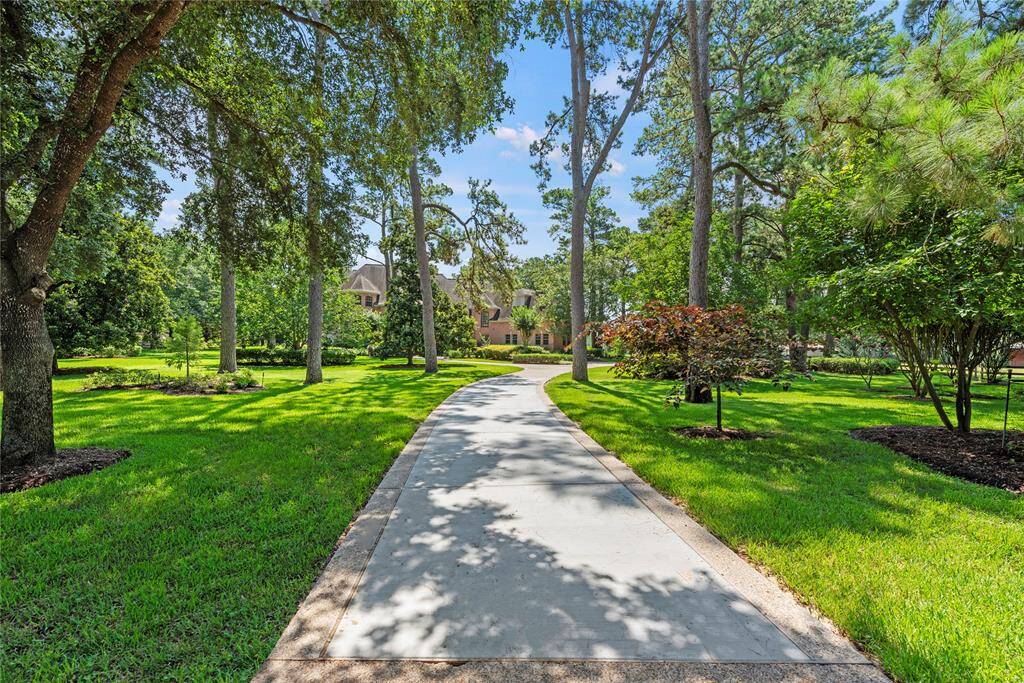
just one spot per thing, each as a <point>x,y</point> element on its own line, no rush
<point>197,383</point>
<point>118,378</point>
<point>283,356</point>
<point>541,358</point>
<point>854,366</point>
<point>107,351</point>
<point>496,351</point>
<point>507,351</point>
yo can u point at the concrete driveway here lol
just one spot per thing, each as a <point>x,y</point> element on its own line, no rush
<point>504,538</point>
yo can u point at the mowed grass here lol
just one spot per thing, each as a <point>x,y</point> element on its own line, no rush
<point>924,570</point>
<point>187,560</point>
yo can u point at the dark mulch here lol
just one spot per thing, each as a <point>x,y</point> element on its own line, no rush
<point>976,458</point>
<point>726,434</point>
<point>68,462</point>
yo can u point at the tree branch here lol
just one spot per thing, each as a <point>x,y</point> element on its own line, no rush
<point>766,185</point>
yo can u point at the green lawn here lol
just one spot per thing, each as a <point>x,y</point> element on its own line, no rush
<point>186,560</point>
<point>924,570</point>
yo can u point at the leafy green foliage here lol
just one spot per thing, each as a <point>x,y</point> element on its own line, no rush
<point>118,305</point>
<point>914,228</point>
<point>121,378</point>
<point>525,319</point>
<point>541,358</point>
<point>184,344</point>
<point>402,322</point>
<point>294,357</point>
<point>853,366</point>
<point>496,351</point>
<point>947,126</point>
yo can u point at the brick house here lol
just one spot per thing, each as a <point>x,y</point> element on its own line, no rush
<point>491,322</point>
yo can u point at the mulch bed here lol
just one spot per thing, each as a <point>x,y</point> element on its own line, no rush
<point>726,434</point>
<point>69,462</point>
<point>976,458</point>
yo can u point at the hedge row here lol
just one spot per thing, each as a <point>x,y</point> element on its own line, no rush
<point>506,351</point>
<point>854,366</point>
<point>541,358</point>
<point>283,356</point>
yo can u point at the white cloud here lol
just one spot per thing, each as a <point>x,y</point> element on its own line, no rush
<point>616,167</point>
<point>520,138</point>
<point>506,154</point>
<point>168,217</point>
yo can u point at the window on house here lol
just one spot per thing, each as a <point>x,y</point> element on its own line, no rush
<point>369,300</point>
<point>536,340</point>
<point>508,338</point>
<point>485,320</point>
<point>515,338</point>
<point>544,340</point>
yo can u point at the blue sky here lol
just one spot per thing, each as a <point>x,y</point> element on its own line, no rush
<point>537,81</point>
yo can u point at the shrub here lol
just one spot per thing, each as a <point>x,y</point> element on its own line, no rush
<point>523,348</point>
<point>244,379</point>
<point>697,347</point>
<point>853,366</point>
<point>116,378</point>
<point>293,357</point>
<point>193,383</point>
<point>542,358</point>
<point>496,352</point>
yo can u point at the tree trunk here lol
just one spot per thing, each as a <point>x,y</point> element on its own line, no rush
<point>228,322</point>
<point>580,195</point>
<point>800,359</point>
<point>314,182</point>
<point>830,345</point>
<point>223,191</point>
<point>99,84</point>
<point>27,365</point>
<point>797,350</point>
<point>698,30</point>
<point>423,261</point>
<point>314,339</point>
<point>384,249</point>
<point>738,179</point>
<point>718,406</point>
<point>576,298</point>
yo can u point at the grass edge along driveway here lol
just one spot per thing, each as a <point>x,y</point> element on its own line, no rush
<point>187,560</point>
<point>923,570</point>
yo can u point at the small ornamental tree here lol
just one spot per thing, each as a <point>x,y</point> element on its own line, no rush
<point>866,349</point>
<point>185,344</point>
<point>695,346</point>
<point>526,320</point>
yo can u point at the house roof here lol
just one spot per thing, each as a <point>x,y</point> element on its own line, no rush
<point>370,278</point>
